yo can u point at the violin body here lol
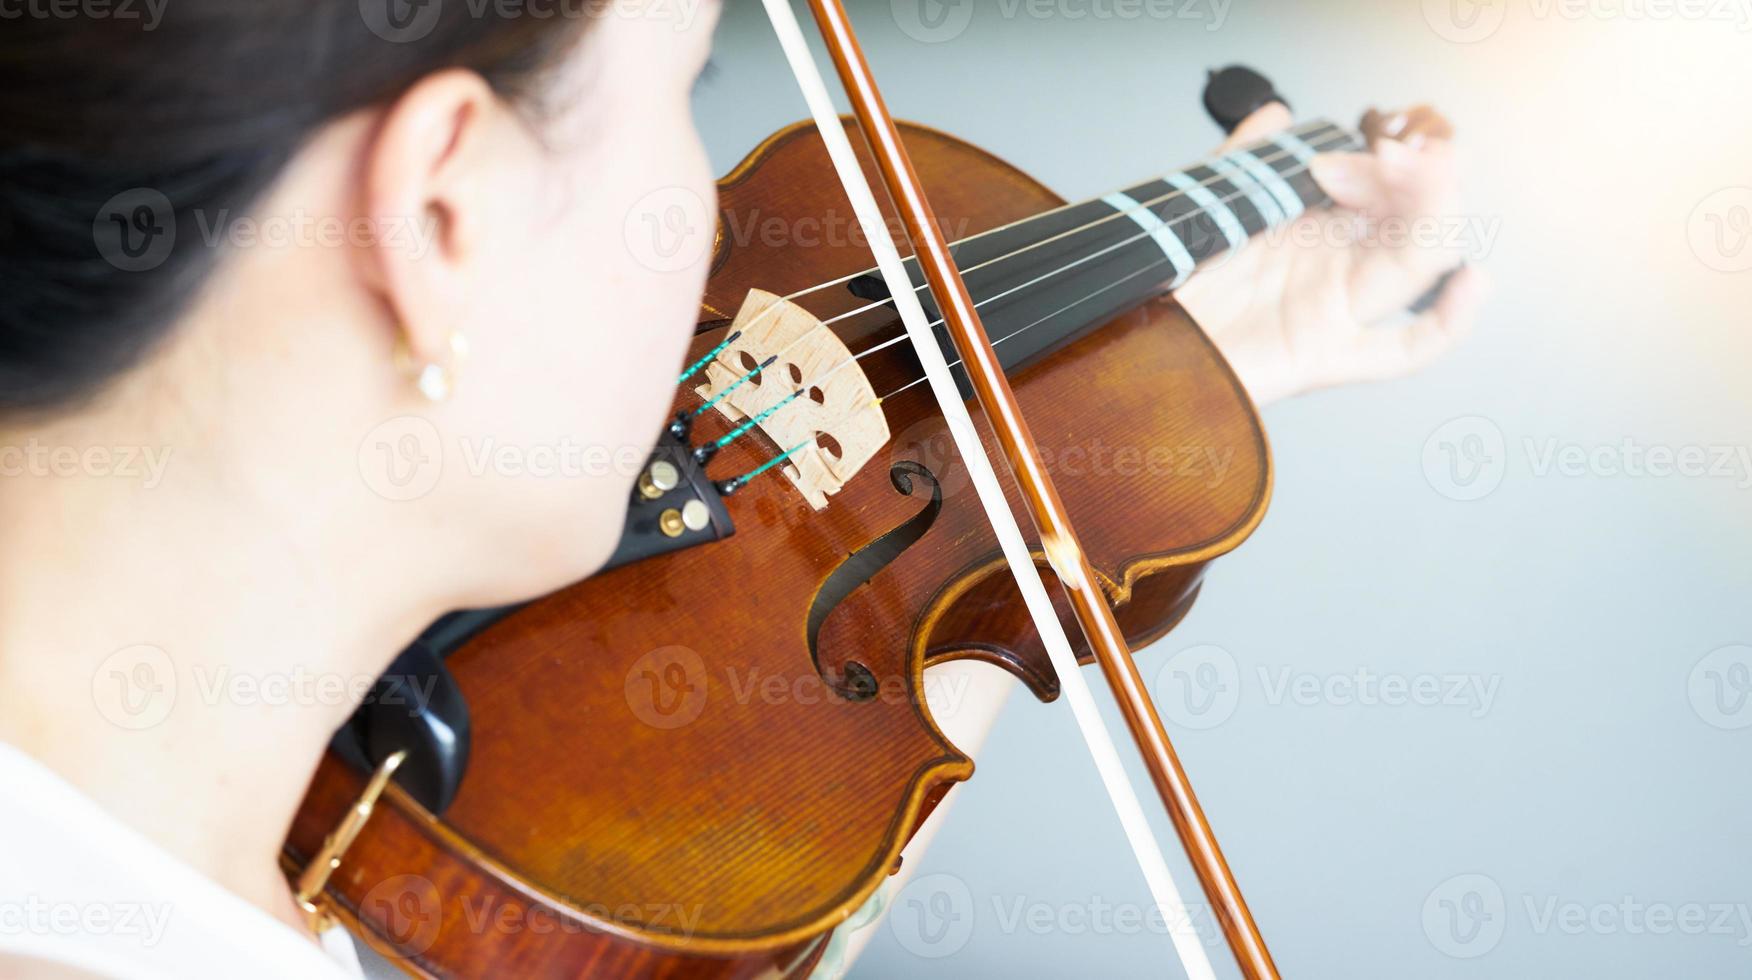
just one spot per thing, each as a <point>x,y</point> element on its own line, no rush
<point>700,764</point>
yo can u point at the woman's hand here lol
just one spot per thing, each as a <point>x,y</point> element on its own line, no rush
<point>1318,303</point>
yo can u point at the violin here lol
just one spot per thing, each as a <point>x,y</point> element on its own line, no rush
<point>700,761</point>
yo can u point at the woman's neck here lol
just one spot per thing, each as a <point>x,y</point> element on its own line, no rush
<point>173,641</point>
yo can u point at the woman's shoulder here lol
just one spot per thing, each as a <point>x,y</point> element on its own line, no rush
<point>82,894</point>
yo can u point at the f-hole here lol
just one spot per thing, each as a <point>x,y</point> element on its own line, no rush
<point>856,682</point>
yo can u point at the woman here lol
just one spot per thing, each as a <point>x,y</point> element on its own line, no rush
<point>246,243</point>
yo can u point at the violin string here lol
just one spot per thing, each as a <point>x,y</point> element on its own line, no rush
<point>741,481</point>
<point>1046,275</point>
<point>1036,280</point>
<point>1341,135</point>
<point>1009,336</point>
<point>1032,325</point>
<point>694,368</point>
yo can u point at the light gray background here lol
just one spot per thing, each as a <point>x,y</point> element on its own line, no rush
<point>1607,768</point>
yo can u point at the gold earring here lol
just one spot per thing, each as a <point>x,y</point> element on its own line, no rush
<point>434,380</point>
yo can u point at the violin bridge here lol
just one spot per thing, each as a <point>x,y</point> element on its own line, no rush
<point>836,420</point>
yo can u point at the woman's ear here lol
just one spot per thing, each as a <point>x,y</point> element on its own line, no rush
<point>427,170</point>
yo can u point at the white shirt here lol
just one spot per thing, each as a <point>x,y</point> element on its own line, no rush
<point>82,890</point>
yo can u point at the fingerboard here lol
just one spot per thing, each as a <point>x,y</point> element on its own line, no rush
<point>1041,282</point>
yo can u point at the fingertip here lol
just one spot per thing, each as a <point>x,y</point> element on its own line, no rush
<point>1347,178</point>
<point>1263,122</point>
<point>1267,119</point>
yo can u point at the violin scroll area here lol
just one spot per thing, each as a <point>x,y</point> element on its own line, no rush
<point>803,389</point>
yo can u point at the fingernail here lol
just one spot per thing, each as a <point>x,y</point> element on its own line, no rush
<point>1395,124</point>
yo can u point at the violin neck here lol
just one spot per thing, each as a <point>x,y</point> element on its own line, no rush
<point>1197,215</point>
<point>1045,280</point>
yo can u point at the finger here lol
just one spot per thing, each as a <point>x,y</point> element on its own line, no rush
<point>1413,126</point>
<point>1263,122</point>
<point>1393,179</point>
<point>1353,180</point>
<point>1409,167</point>
<point>1389,352</point>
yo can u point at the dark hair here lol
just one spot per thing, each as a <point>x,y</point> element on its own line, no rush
<point>116,130</point>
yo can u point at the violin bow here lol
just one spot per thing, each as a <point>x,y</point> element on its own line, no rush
<point>1064,554</point>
